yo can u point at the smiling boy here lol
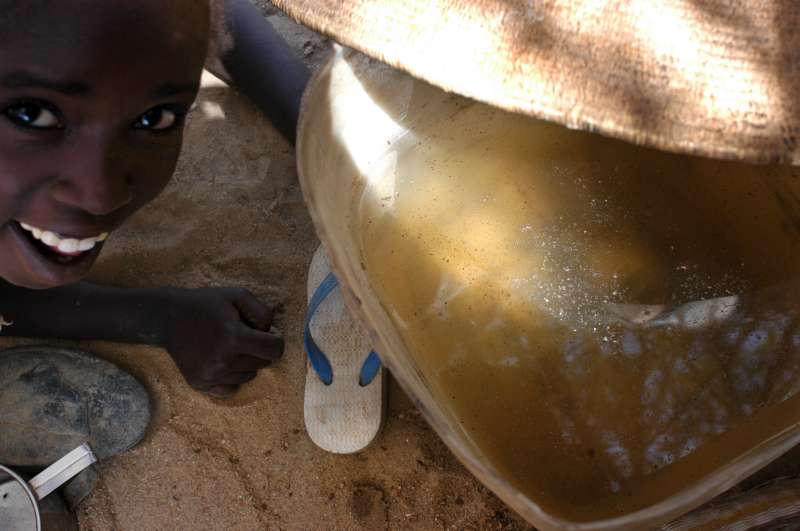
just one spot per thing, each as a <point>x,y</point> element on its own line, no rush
<point>93,98</point>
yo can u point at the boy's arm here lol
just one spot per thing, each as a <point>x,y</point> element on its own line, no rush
<point>204,330</point>
<point>247,53</point>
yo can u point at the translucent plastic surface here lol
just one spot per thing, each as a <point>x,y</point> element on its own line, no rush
<point>606,335</point>
<point>593,313</point>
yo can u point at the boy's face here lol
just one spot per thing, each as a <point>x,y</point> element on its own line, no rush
<point>92,99</point>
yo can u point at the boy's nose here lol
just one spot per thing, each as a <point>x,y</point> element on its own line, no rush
<point>96,181</point>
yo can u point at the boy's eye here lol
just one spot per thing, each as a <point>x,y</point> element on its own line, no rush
<point>33,115</point>
<point>157,119</point>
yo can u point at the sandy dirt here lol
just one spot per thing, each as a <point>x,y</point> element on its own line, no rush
<point>234,216</point>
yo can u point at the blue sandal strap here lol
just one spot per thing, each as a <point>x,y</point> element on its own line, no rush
<point>319,362</point>
<point>370,369</point>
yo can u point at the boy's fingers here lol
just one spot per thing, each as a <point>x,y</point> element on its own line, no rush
<point>254,312</point>
<point>264,345</point>
<point>235,378</point>
<point>246,363</point>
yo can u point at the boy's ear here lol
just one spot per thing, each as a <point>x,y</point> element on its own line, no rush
<point>220,39</point>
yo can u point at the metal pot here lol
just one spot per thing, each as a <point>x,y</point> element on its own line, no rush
<point>19,499</point>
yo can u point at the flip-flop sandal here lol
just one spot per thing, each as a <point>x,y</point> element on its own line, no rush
<point>345,394</point>
<point>54,399</point>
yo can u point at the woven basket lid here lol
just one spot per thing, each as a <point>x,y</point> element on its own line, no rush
<point>719,78</point>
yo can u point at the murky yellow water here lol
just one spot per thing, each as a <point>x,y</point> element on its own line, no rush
<point>608,323</point>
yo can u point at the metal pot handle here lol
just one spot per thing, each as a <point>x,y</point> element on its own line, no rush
<point>62,471</point>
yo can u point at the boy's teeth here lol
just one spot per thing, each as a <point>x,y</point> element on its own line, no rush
<point>70,245</point>
<point>50,238</point>
<point>62,244</point>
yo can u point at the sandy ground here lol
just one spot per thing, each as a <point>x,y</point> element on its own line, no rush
<point>234,216</point>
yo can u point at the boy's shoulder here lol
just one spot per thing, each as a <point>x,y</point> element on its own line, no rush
<point>220,39</point>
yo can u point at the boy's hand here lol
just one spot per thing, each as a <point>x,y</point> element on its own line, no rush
<point>220,337</point>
